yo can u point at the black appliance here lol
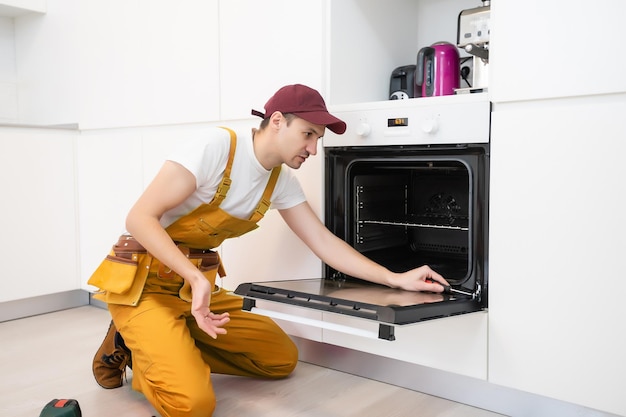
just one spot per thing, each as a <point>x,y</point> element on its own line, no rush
<point>406,185</point>
<point>402,83</point>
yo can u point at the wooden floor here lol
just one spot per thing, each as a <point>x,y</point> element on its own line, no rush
<point>49,356</point>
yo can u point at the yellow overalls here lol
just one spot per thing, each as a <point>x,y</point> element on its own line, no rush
<point>172,357</point>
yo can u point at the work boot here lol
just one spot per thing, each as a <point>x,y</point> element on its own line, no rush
<point>109,364</point>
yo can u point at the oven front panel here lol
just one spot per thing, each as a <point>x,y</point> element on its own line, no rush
<point>404,207</point>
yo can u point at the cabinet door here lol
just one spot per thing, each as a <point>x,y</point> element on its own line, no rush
<point>38,222</point>
<point>265,45</point>
<point>148,62</point>
<point>120,63</point>
<point>453,344</point>
<point>14,8</point>
<point>542,49</point>
<point>556,250</point>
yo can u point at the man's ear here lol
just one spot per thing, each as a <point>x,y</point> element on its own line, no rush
<point>276,119</point>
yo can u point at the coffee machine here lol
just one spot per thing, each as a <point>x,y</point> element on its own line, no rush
<point>473,37</point>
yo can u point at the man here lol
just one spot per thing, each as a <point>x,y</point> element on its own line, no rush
<point>159,283</point>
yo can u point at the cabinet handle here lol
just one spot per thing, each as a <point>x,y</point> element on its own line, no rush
<point>385,331</point>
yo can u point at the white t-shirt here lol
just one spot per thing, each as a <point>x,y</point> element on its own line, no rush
<point>206,157</point>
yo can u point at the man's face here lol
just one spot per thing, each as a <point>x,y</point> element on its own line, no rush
<point>298,140</point>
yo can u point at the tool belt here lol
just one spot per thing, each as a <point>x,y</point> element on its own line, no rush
<point>127,247</point>
<point>122,274</point>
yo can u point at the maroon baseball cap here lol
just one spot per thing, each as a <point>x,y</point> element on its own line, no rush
<point>304,102</point>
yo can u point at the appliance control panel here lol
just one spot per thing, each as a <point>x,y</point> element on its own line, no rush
<point>421,121</point>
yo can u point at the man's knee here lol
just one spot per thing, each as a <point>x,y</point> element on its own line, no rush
<point>193,402</point>
<point>284,362</point>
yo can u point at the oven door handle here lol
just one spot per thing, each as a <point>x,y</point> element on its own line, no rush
<point>385,331</point>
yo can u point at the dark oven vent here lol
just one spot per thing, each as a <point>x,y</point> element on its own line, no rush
<point>430,247</point>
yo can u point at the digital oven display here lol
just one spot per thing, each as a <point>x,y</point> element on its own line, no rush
<point>398,121</point>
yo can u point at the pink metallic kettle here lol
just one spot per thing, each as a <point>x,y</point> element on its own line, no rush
<point>437,70</point>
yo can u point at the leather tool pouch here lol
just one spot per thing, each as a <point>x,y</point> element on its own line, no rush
<point>204,259</point>
<point>207,261</point>
<point>116,272</point>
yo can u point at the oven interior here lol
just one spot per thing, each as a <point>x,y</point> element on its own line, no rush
<point>407,214</point>
<point>404,207</point>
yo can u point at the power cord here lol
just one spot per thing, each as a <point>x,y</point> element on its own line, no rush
<point>465,70</point>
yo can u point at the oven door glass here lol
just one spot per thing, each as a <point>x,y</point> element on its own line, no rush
<point>402,207</point>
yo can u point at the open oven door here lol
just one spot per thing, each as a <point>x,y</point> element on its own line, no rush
<point>387,306</point>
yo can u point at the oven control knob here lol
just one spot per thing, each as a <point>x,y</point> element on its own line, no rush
<point>430,126</point>
<point>363,129</point>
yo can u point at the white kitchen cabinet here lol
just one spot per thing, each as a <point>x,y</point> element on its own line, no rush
<point>556,249</point>
<point>119,63</point>
<point>149,62</point>
<point>265,45</point>
<point>39,238</point>
<point>15,8</point>
<point>48,65</point>
<point>555,244</point>
<point>543,49</point>
<point>453,344</point>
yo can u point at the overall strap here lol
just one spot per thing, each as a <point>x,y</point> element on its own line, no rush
<point>264,204</point>
<point>224,186</point>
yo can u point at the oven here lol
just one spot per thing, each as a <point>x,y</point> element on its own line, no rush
<point>406,185</point>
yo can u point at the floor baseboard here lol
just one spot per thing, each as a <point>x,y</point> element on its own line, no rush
<point>33,306</point>
<point>454,387</point>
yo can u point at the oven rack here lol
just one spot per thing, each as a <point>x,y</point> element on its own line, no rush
<point>408,224</point>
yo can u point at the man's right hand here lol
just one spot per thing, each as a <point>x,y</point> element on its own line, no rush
<point>212,324</point>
